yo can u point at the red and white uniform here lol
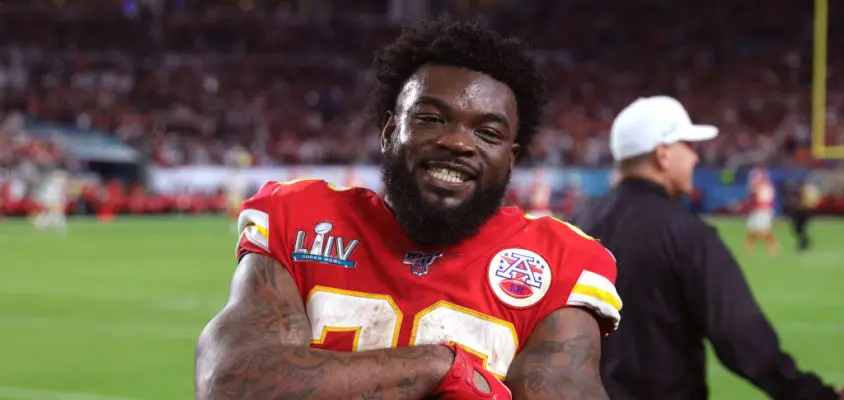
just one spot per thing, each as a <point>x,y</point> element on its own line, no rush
<point>540,196</point>
<point>352,179</point>
<point>235,190</point>
<point>366,286</point>
<point>762,206</point>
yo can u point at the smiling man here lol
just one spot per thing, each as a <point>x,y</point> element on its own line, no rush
<point>436,291</point>
<point>449,145</point>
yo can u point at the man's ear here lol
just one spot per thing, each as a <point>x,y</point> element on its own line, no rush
<point>515,152</point>
<point>388,127</point>
<point>660,157</point>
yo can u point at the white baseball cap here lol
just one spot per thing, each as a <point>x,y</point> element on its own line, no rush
<point>651,121</point>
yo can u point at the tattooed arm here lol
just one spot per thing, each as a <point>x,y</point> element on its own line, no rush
<point>257,347</point>
<point>560,360</point>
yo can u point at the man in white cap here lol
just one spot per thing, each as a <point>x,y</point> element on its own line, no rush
<point>680,283</point>
<point>651,139</point>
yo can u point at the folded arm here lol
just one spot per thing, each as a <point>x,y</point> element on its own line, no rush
<point>257,347</point>
<point>561,359</point>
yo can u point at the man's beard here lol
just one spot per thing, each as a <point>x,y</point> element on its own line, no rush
<point>431,225</point>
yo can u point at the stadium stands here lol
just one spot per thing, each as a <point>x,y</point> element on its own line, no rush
<point>188,86</point>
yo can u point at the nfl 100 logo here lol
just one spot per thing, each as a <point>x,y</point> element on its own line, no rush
<point>420,262</point>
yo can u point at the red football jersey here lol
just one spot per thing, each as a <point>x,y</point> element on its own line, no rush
<point>366,286</point>
<point>540,197</point>
<point>763,196</point>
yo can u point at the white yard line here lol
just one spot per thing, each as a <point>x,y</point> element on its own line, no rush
<point>19,393</point>
<point>98,328</point>
<point>205,303</point>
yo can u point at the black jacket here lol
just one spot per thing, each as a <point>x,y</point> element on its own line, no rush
<point>680,284</point>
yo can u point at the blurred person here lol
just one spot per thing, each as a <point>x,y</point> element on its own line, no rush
<point>53,196</point>
<point>573,196</point>
<point>320,305</point>
<point>802,199</point>
<point>678,279</point>
<point>236,185</point>
<point>353,179</point>
<point>16,195</point>
<point>540,195</point>
<point>760,219</point>
<point>109,199</point>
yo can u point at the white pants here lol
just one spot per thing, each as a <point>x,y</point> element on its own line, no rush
<point>541,213</point>
<point>760,221</point>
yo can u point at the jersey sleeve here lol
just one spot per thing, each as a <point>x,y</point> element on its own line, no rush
<point>595,289</point>
<point>587,273</point>
<point>261,225</point>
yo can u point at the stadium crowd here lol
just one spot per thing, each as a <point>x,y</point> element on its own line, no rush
<point>189,86</point>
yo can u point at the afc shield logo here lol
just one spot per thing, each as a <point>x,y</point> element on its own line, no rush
<point>519,277</point>
<point>419,262</point>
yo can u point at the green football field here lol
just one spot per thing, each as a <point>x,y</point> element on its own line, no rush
<point>112,311</point>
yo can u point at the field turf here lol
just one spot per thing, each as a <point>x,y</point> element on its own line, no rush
<point>112,311</point>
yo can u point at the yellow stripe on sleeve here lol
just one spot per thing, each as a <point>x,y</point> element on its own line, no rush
<point>599,294</point>
<point>253,225</point>
<point>261,230</point>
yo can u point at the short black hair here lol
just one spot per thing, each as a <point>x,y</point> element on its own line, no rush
<point>628,165</point>
<point>470,45</point>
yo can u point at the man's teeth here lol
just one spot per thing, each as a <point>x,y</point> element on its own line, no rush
<point>448,175</point>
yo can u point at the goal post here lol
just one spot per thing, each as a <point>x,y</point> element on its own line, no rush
<point>820,149</point>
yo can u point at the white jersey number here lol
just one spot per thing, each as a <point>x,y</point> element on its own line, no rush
<point>376,321</point>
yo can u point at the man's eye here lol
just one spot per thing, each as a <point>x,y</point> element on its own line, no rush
<point>428,119</point>
<point>489,134</point>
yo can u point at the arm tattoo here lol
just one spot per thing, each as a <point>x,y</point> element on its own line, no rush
<point>561,359</point>
<point>272,310</point>
<point>258,348</point>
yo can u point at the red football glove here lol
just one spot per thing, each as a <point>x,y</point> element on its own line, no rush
<point>459,382</point>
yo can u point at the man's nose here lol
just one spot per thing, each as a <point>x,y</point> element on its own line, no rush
<point>458,140</point>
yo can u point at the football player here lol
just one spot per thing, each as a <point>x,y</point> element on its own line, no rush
<point>436,290</point>
<point>760,220</point>
<point>540,195</point>
<point>236,183</point>
<point>53,196</point>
